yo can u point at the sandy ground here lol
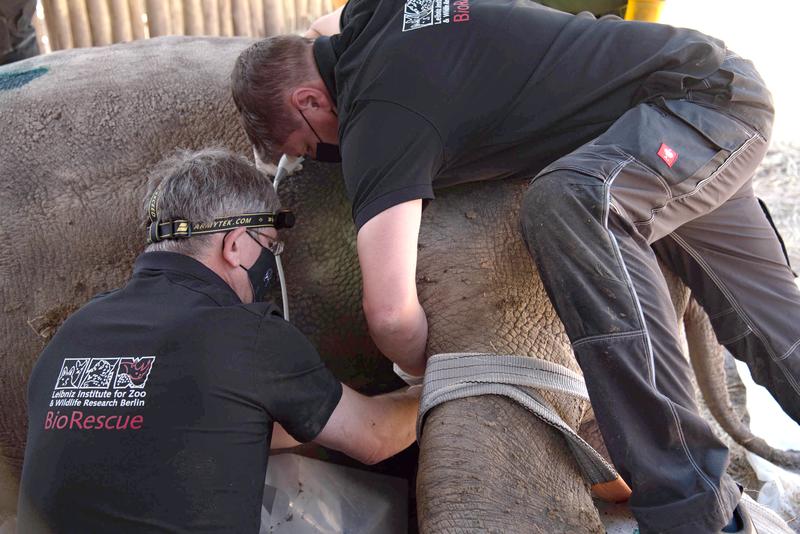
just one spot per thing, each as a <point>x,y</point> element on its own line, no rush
<point>777,182</point>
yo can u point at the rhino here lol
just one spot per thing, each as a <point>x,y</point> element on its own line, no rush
<point>84,126</point>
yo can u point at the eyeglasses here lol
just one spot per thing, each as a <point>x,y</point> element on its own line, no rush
<point>275,246</point>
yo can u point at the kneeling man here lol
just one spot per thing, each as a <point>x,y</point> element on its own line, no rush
<point>154,406</point>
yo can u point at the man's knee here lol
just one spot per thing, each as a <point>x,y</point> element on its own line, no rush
<point>541,200</point>
<point>558,201</point>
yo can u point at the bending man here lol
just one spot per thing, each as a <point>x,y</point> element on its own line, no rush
<point>643,140</point>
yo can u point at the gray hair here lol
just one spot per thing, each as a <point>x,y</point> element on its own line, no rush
<point>201,186</point>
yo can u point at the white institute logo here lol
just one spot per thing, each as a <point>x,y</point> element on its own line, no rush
<point>103,373</point>
<point>423,13</point>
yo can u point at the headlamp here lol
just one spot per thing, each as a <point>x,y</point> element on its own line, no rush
<point>158,230</point>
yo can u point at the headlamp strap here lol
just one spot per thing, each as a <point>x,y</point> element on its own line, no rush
<point>181,228</point>
<point>152,206</point>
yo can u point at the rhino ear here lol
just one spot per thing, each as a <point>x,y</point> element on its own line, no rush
<point>267,168</point>
<point>291,164</point>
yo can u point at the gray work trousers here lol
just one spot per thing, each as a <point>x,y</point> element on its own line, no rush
<point>671,178</point>
<point>17,36</point>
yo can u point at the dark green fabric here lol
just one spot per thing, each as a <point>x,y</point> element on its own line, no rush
<point>598,7</point>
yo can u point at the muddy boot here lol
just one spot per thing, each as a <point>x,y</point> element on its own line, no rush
<point>740,524</point>
<point>753,518</point>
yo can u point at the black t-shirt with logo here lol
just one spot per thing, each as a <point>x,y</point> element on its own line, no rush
<point>432,93</point>
<point>152,407</point>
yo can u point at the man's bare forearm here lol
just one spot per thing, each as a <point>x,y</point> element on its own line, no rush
<point>371,429</point>
<point>325,25</point>
<point>394,420</point>
<point>281,439</point>
<point>403,339</point>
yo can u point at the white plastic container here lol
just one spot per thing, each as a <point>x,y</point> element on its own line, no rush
<point>306,496</point>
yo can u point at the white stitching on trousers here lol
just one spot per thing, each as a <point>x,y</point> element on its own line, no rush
<point>736,338</point>
<point>722,313</point>
<point>650,358</point>
<point>739,310</point>
<point>790,351</point>
<point>592,339</point>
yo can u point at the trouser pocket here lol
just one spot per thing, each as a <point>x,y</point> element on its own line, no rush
<point>713,137</point>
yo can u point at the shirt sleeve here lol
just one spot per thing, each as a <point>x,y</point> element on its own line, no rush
<point>390,155</point>
<point>299,391</point>
<point>344,16</point>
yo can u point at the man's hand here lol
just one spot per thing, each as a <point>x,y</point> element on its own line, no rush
<point>325,25</point>
<point>371,429</point>
<point>281,439</point>
<point>387,252</point>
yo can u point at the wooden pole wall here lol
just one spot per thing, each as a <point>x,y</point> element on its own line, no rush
<point>256,18</point>
<point>241,17</point>
<point>120,21</point>
<point>192,17</point>
<point>158,19</point>
<point>83,23</point>
<point>175,17</point>
<point>315,10</point>
<point>303,18</point>
<point>56,16</point>
<point>79,23</point>
<point>211,17</point>
<point>137,24</point>
<point>99,21</point>
<point>225,18</point>
<point>274,21</point>
<point>41,32</point>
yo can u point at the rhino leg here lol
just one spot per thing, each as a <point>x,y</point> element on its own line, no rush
<point>708,361</point>
<point>487,465</point>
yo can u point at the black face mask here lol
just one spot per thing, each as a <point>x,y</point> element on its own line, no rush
<point>262,273</point>
<point>326,152</point>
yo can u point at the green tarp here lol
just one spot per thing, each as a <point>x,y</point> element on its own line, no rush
<point>598,7</point>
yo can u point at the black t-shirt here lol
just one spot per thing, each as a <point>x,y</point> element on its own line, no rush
<point>152,407</point>
<point>432,93</point>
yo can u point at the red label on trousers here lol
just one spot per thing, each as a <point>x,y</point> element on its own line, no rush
<point>668,155</point>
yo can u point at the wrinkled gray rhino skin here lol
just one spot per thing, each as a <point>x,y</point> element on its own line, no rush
<point>80,140</point>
